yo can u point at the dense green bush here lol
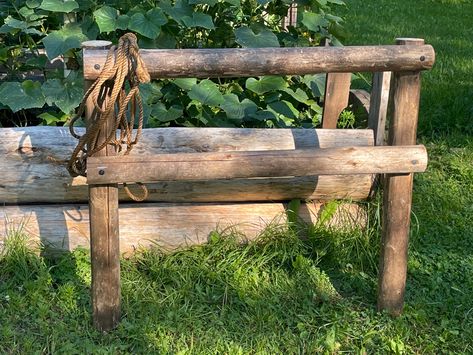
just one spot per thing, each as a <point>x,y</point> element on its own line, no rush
<point>34,32</point>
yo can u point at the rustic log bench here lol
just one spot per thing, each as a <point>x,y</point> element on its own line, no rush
<point>248,166</point>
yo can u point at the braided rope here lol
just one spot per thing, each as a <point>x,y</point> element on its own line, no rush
<point>112,104</point>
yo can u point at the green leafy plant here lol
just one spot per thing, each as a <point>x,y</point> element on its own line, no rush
<point>35,33</point>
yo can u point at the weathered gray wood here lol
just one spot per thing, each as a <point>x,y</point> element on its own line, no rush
<point>232,165</point>
<point>337,89</point>
<point>379,105</point>
<point>34,162</point>
<point>104,229</point>
<point>244,62</point>
<point>397,198</point>
<point>170,226</point>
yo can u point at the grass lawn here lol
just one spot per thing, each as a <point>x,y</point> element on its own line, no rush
<point>283,294</point>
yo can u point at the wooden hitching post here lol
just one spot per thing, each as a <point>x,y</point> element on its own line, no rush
<point>398,191</point>
<point>104,242</point>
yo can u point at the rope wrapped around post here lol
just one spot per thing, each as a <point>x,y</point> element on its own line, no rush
<point>108,94</point>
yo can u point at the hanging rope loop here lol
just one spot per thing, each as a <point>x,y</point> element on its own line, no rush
<point>114,109</point>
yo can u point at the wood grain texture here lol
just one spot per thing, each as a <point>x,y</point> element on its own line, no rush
<point>337,90</point>
<point>245,62</point>
<point>379,105</point>
<point>170,226</point>
<point>34,161</point>
<point>232,165</point>
<point>397,197</point>
<point>104,234</point>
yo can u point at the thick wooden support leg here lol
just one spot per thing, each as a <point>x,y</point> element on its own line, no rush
<point>104,231</point>
<point>105,255</point>
<point>398,193</point>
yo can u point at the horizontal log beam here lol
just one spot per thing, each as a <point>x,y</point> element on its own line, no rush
<point>245,62</point>
<point>232,165</point>
<point>169,226</point>
<point>34,159</point>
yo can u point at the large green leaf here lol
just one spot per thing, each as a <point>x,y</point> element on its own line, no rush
<point>264,115</point>
<point>245,37</point>
<point>207,93</point>
<point>299,95</point>
<point>265,84</point>
<point>65,94</point>
<point>198,19</point>
<point>59,5</point>
<point>284,108</point>
<point>313,21</point>
<point>68,37</point>
<point>148,24</point>
<point>177,11</point>
<point>23,95</point>
<point>236,109</point>
<point>185,83</point>
<point>315,82</point>
<point>12,25</point>
<point>32,4</point>
<point>109,20</point>
<point>162,114</point>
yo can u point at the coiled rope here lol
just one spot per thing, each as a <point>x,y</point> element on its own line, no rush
<point>112,104</point>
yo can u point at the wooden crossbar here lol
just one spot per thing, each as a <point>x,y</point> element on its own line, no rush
<point>246,62</point>
<point>232,165</point>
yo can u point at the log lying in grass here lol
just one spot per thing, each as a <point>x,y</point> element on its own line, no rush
<point>169,226</point>
<point>33,165</point>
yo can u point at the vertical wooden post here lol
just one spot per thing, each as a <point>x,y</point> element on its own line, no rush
<point>398,192</point>
<point>104,242</point>
<point>379,105</point>
<point>337,92</point>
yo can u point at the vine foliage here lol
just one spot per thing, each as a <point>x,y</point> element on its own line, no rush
<point>35,33</point>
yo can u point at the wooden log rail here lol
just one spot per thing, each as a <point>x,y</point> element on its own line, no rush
<point>246,62</point>
<point>233,165</point>
<point>34,161</point>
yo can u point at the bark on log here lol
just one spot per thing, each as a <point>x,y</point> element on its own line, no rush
<point>397,196</point>
<point>33,165</point>
<point>233,165</point>
<point>169,226</point>
<point>245,62</point>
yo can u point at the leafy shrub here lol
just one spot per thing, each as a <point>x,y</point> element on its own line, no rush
<point>35,32</point>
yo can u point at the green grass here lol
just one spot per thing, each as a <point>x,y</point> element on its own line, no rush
<point>284,294</point>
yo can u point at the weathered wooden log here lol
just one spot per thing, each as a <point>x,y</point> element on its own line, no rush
<point>170,226</point>
<point>34,159</point>
<point>379,105</point>
<point>337,91</point>
<point>397,197</point>
<point>245,62</point>
<point>232,165</point>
